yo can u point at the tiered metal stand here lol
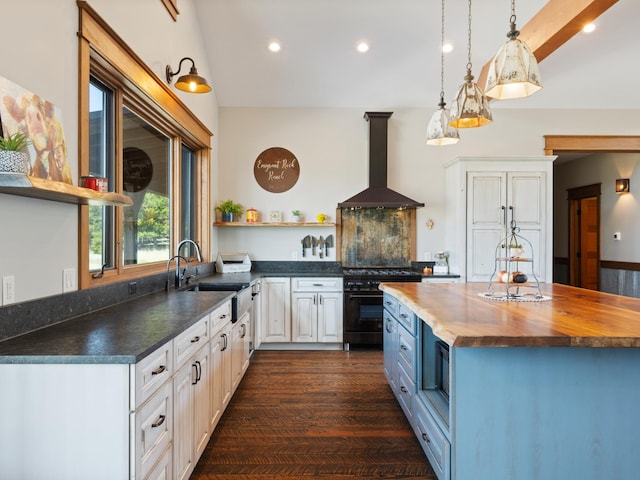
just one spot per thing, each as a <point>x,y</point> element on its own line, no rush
<point>508,281</point>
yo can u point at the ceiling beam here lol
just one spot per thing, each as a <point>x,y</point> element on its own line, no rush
<point>554,25</point>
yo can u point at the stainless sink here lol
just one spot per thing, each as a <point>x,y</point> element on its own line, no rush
<point>241,301</point>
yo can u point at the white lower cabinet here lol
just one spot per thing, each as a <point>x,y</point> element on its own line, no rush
<point>220,348</point>
<point>153,423</point>
<point>240,349</point>
<point>151,420</point>
<point>191,395</point>
<point>275,310</point>
<point>317,310</point>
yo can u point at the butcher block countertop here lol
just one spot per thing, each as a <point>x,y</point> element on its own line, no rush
<point>573,317</point>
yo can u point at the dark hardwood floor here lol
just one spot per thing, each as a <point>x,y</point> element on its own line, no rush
<point>327,415</point>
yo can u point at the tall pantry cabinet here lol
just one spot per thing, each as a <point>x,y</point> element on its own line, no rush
<point>484,198</point>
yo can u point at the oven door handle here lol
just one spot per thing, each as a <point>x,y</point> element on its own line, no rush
<point>357,295</point>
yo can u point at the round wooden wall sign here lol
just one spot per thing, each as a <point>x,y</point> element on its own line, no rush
<point>276,169</point>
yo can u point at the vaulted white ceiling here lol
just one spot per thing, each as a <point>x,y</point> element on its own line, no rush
<point>318,65</point>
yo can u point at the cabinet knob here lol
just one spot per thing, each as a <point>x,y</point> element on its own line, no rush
<point>425,437</point>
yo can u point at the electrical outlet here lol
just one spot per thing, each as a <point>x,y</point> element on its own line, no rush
<point>8,290</point>
<point>133,288</point>
<point>68,280</point>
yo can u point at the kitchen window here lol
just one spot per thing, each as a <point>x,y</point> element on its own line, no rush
<point>137,134</point>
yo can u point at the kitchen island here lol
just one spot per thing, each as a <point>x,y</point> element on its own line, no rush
<point>517,390</point>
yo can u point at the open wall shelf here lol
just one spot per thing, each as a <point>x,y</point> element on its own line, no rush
<point>273,224</point>
<point>27,186</point>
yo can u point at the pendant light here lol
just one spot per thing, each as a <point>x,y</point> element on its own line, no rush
<point>513,72</point>
<point>439,132</point>
<point>470,108</point>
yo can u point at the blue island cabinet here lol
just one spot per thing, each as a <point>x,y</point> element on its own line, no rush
<point>517,412</point>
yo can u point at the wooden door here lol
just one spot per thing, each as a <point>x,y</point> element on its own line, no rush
<point>584,237</point>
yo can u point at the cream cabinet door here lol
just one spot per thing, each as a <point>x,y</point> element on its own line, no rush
<point>304,307</point>
<point>276,309</point>
<point>330,316</point>
<point>495,201</point>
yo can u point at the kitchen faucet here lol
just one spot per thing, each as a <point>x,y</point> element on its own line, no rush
<point>178,281</point>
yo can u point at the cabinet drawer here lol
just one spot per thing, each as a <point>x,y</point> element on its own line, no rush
<point>163,470</point>
<point>405,393</point>
<point>391,304</point>
<point>219,317</point>
<point>316,284</point>
<point>433,441</point>
<point>189,341</point>
<point>153,430</point>
<point>407,318</point>
<point>407,353</point>
<point>151,372</point>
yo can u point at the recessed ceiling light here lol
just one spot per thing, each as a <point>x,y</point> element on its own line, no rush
<point>362,47</point>
<point>275,46</point>
<point>589,27</point>
<point>447,47</point>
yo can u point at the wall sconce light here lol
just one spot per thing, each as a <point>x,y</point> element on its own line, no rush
<point>192,83</point>
<point>622,185</point>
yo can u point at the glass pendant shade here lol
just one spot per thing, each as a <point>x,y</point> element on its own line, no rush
<point>470,108</point>
<point>513,72</point>
<point>439,132</point>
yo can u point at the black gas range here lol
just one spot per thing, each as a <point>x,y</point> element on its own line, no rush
<point>368,279</point>
<point>363,303</point>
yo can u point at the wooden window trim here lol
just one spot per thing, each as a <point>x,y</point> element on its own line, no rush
<point>100,45</point>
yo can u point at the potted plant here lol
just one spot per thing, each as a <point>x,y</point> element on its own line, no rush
<point>13,158</point>
<point>296,215</point>
<point>229,210</point>
<point>516,250</point>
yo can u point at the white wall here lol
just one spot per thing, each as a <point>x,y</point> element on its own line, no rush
<point>619,213</point>
<point>331,146</point>
<point>40,238</point>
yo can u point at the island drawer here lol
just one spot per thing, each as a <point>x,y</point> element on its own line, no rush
<point>432,440</point>
<point>407,318</point>
<point>407,353</point>
<point>406,392</point>
<point>391,304</point>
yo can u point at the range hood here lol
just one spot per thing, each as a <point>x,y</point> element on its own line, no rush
<point>378,195</point>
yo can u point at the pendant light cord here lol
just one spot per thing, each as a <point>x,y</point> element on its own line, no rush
<point>469,42</point>
<point>513,32</point>
<point>442,104</point>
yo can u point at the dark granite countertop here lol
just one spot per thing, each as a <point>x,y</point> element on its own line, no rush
<point>127,332</point>
<point>123,333</point>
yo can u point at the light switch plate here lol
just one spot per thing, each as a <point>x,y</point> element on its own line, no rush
<point>8,290</point>
<point>68,280</point>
